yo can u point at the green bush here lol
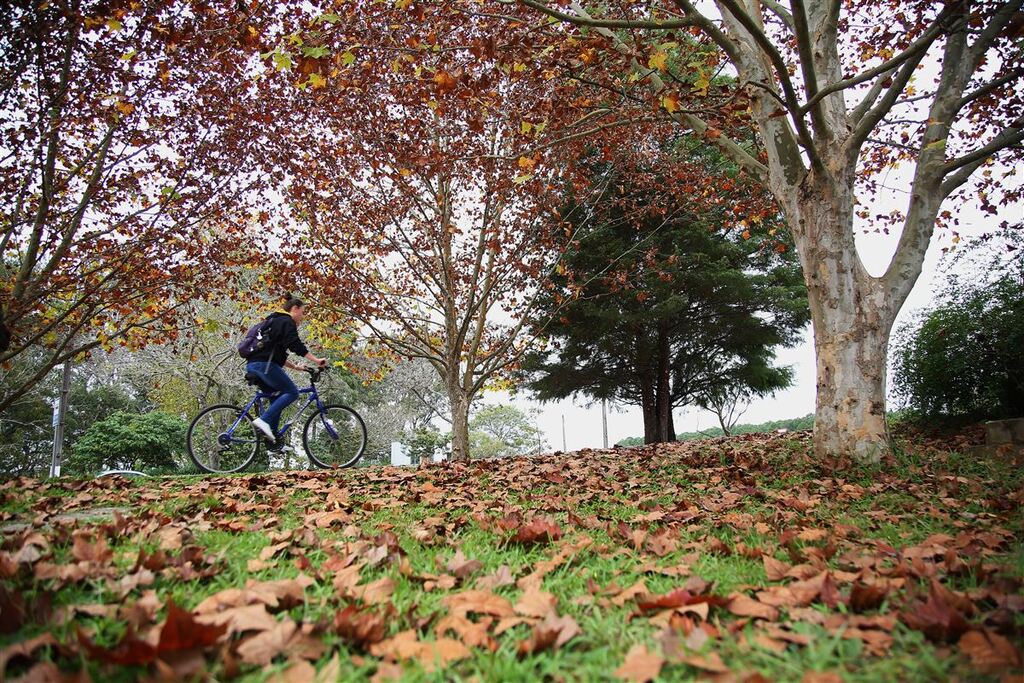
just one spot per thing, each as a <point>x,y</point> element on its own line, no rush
<point>153,442</point>
<point>963,359</point>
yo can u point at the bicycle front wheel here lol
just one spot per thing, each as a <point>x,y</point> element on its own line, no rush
<point>335,437</point>
<point>222,439</point>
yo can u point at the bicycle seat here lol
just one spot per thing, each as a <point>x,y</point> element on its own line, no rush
<point>253,379</point>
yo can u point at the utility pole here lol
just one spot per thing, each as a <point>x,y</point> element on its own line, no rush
<point>604,419</point>
<point>564,448</point>
<point>59,417</point>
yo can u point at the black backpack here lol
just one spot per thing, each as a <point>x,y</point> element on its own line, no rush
<point>257,339</point>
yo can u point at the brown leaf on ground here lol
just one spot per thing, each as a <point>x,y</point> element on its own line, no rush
<point>501,577</point>
<point>939,620</point>
<point>239,620</point>
<point>182,632</point>
<point>24,650</point>
<point>281,594</point>
<point>550,634</point>
<point>865,597</point>
<point>990,652</point>
<point>640,665</point>
<point>358,627</point>
<point>677,599</point>
<point>744,606</point>
<point>538,530</point>
<point>297,671</point>
<point>473,634</point>
<point>462,567</point>
<point>481,602</point>
<point>775,569</point>
<point>430,654</point>
<point>86,547</point>
<point>535,603</point>
<point>710,661</point>
<point>286,638</point>
<point>638,588</point>
<point>377,592</point>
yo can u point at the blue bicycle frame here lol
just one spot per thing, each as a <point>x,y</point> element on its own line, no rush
<point>257,403</point>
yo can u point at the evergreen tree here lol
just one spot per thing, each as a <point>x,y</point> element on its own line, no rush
<point>661,308</point>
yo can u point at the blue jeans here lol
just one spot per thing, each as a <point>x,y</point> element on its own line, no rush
<point>274,376</point>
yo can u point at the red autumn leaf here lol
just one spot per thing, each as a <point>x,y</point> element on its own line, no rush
<point>358,627</point>
<point>182,632</point>
<point>538,530</point>
<point>677,598</point>
<point>864,597</point>
<point>939,620</point>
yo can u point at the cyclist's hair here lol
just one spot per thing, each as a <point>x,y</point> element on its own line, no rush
<point>291,302</point>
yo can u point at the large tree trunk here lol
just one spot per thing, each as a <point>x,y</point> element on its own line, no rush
<point>460,424</point>
<point>852,316</point>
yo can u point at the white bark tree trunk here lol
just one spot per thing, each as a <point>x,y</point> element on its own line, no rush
<point>852,317</point>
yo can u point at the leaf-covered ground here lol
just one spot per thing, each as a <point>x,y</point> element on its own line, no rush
<point>735,559</point>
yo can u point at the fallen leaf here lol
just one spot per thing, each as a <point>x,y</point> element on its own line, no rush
<point>481,602</point>
<point>550,634</point>
<point>989,651</point>
<point>640,665</point>
<point>744,606</point>
<point>535,603</point>
<point>358,627</point>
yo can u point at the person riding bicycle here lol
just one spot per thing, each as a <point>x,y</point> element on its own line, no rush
<point>267,364</point>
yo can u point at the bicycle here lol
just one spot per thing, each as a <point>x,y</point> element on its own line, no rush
<point>222,438</point>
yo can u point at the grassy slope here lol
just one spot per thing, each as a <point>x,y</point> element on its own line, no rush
<point>754,494</point>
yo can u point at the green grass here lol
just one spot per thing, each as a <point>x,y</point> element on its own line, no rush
<point>735,493</point>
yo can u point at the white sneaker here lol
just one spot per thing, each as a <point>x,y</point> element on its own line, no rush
<point>265,428</point>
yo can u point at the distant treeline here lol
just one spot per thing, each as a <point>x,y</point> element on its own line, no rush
<point>794,424</point>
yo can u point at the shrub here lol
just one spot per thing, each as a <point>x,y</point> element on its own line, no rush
<point>152,441</point>
<point>963,358</point>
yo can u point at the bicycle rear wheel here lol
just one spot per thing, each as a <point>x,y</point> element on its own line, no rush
<point>335,437</point>
<point>222,439</point>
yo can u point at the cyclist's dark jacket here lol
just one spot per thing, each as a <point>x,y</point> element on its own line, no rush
<point>285,336</point>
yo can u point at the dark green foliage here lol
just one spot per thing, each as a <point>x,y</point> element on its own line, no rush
<point>26,427</point>
<point>658,307</point>
<point>147,442</point>
<point>964,359</point>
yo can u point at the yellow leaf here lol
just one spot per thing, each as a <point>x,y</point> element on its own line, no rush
<point>659,61</point>
<point>113,24</point>
<point>317,81</point>
<point>670,102</point>
<point>526,163</point>
<point>525,127</point>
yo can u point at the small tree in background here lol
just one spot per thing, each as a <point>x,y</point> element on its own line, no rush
<point>153,441</point>
<point>502,432</point>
